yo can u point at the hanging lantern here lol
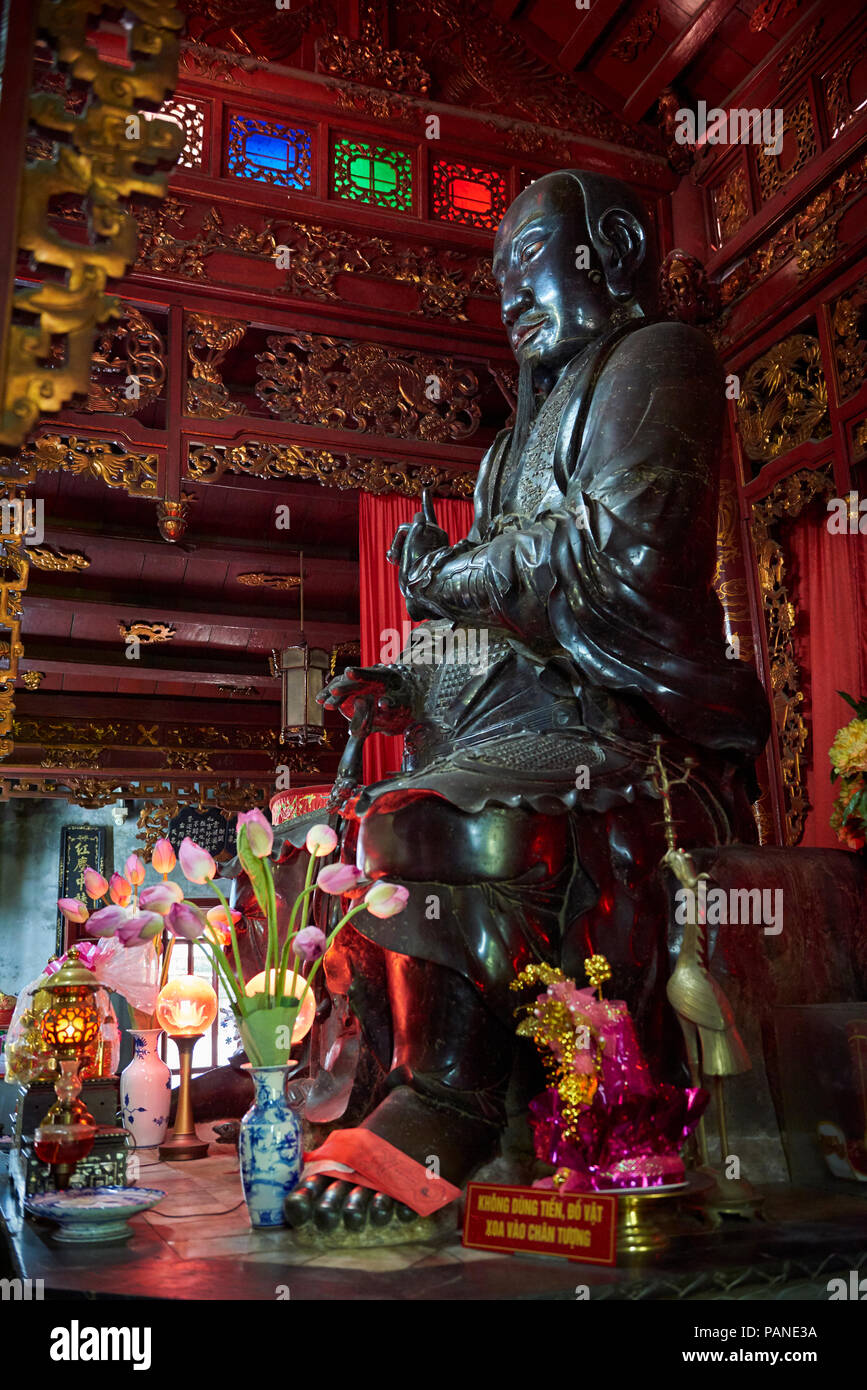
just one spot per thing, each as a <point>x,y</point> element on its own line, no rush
<point>303,671</point>
<point>70,1025</point>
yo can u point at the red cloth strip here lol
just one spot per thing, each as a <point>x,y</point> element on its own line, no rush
<point>377,1164</point>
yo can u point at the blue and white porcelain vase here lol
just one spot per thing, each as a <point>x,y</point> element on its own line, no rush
<point>146,1090</point>
<point>269,1148</point>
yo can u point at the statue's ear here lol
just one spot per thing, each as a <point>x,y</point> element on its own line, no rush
<point>622,246</point>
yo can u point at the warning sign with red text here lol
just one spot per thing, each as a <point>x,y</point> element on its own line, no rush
<point>537,1220</point>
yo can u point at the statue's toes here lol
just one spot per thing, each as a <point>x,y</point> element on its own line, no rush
<point>328,1210</point>
<point>403,1212</point>
<point>381,1209</point>
<point>298,1206</point>
<point>355,1208</point>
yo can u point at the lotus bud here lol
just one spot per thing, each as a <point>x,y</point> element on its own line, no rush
<point>163,858</point>
<point>338,878</point>
<point>160,897</point>
<point>119,890</point>
<point>309,944</point>
<point>94,884</point>
<point>197,864</point>
<point>184,920</point>
<point>134,870</point>
<point>321,840</point>
<point>73,910</point>
<point>386,899</point>
<point>260,832</point>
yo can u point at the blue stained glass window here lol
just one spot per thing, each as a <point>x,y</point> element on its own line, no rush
<point>269,152</point>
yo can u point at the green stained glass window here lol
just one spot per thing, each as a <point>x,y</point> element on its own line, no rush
<point>373,174</point>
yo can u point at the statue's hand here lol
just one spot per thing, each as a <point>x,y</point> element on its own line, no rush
<point>415,539</point>
<point>384,687</point>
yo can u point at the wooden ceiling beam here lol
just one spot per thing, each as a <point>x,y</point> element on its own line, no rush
<point>150,608</point>
<point>282,554</point>
<point>589,26</point>
<point>154,664</point>
<point>53,705</point>
<point>679,54</point>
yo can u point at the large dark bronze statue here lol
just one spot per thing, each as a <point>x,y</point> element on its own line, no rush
<point>524,821</point>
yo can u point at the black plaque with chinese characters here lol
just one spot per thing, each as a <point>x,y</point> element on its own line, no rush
<point>210,829</point>
<point>81,847</point>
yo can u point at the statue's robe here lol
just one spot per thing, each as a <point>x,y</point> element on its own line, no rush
<point>589,567</point>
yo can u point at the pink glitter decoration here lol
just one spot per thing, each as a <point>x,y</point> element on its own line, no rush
<point>631,1133</point>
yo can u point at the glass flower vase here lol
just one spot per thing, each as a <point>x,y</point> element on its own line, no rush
<point>146,1090</point>
<point>269,1148</point>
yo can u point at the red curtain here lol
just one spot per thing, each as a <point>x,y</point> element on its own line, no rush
<point>828,580</point>
<point>382,605</point>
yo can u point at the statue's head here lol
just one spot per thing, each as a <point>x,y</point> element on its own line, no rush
<point>571,255</point>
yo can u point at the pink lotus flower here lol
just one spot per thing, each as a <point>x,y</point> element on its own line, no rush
<point>160,897</point>
<point>106,921</point>
<point>119,890</point>
<point>143,927</point>
<point>309,944</point>
<point>163,858</point>
<point>94,884</point>
<point>196,864</point>
<point>260,832</point>
<point>386,899</point>
<point>338,878</point>
<point>73,910</point>
<point>184,920</point>
<point>321,840</point>
<point>134,870</point>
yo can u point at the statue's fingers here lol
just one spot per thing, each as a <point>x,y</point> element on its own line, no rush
<point>427,507</point>
<point>395,550</point>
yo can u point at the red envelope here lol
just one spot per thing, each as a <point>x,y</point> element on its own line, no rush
<point>362,1158</point>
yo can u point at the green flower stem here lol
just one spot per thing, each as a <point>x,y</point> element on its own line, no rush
<point>273,939</point>
<point>167,956</point>
<point>290,936</point>
<point>347,916</point>
<point>303,896</point>
<point>235,986</point>
<point>229,919</point>
<point>222,968</point>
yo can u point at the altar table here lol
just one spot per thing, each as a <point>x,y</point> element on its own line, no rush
<point>198,1244</point>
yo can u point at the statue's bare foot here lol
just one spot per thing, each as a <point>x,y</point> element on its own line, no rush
<point>418,1128</point>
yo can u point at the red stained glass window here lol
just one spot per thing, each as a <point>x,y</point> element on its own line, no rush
<point>465,193</point>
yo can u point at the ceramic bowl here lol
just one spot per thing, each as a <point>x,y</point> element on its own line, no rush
<point>93,1213</point>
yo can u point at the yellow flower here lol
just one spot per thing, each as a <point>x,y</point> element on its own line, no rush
<point>848,752</point>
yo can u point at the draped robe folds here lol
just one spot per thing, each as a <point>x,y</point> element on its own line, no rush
<point>588,569</point>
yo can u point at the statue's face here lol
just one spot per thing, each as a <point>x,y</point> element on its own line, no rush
<point>551,308</point>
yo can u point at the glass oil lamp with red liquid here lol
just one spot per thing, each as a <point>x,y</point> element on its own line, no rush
<point>70,1030</point>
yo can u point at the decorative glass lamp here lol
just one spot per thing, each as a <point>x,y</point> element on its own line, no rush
<point>70,1030</point>
<point>70,1025</point>
<point>186,1008</point>
<point>303,671</point>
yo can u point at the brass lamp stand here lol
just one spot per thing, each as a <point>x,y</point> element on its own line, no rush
<point>184,1142</point>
